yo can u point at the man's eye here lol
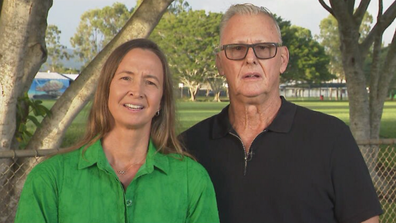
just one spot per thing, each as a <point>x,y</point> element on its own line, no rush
<point>261,47</point>
<point>238,47</point>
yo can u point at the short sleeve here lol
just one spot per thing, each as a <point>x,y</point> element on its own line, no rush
<point>201,195</point>
<point>355,197</point>
<point>39,201</point>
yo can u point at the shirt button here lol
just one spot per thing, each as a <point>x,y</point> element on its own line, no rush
<point>128,202</point>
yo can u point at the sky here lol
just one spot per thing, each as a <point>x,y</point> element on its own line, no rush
<point>305,13</point>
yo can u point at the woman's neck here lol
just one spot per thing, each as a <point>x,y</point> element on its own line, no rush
<point>123,147</point>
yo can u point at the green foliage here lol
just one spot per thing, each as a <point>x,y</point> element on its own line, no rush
<point>25,108</point>
<point>97,27</point>
<point>189,39</point>
<point>56,51</point>
<point>308,61</point>
<point>330,39</point>
<point>179,6</point>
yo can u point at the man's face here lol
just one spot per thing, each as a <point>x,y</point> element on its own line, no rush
<point>252,78</point>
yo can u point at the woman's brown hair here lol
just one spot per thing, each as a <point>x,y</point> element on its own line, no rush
<point>100,119</point>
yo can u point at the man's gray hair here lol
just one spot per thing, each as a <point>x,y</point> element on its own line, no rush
<point>247,9</point>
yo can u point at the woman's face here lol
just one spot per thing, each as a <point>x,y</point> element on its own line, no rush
<point>136,90</point>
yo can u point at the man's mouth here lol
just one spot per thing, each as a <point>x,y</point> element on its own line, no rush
<point>251,76</point>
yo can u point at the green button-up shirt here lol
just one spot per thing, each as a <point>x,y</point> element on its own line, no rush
<point>77,188</point>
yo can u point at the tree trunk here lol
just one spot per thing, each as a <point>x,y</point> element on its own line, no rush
<point>22,52</point>
<point>140,25</point>
<point>22,35</point>
<point>193,93</point>
<point>217,97</point>
<point>365,107</point>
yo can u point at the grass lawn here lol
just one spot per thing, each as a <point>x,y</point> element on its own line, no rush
<point>189,113</point>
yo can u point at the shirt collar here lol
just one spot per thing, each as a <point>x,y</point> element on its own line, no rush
<point>282,123</point>
<point>94,154</point>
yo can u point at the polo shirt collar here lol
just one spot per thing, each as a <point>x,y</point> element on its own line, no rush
<point>282,123</point>
<point>94,154</point>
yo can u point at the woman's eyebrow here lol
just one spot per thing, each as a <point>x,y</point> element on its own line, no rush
<point>151,76</point>
<point>125,71</point>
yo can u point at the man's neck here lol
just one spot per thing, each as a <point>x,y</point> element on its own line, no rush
<point>249,120</point>
<point>253,115</point>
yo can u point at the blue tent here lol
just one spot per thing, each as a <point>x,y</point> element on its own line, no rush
<point>48,85</point>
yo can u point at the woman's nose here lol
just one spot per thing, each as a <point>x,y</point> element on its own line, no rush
<point>136,89</point>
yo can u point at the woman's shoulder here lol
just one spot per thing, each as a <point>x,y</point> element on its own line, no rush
<point>56,162</point>
<point>191,166</point>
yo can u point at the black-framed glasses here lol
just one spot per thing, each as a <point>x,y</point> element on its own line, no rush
<point>261,50</point>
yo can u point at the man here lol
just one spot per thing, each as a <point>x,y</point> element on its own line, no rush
<point>271,160</point>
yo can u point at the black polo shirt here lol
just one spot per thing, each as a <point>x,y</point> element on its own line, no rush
<point>305,167</point>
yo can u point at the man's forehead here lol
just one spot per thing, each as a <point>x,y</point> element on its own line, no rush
<point>250,28</point>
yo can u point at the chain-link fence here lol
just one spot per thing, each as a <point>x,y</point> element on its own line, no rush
<point>380,156</point>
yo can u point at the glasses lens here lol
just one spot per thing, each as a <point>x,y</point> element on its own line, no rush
<point>236,52</point>
<point>265,51</point>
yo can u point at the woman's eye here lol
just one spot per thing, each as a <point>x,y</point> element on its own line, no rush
<point>125,78</point>
<point>151,83</point>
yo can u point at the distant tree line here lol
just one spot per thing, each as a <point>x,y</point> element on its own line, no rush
<point>190,39</point>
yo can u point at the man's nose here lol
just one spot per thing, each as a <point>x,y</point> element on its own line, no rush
<point>251,56</point>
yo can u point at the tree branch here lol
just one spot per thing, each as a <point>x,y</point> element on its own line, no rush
<point>325,6</point>
<point>341,12</point>
<point>386,20</point>
<point>390,61</point>
<point>361,10</point>
<point>351,6</point>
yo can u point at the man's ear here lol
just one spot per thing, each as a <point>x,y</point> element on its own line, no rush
<point>219,65</point>
<point>284,58</point>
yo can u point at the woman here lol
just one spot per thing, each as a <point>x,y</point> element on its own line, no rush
<point>130,166</point>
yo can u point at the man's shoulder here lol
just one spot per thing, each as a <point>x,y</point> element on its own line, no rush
<point>202,126</point>
<point>199,135</point>
<point>316,117</point>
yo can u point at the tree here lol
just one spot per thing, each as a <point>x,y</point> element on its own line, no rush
<point>97,27</point>
<point>22,34</point>
<point>330,40</point>
<point>56,51</point>
<point>365,107</point>
<point>216,82</point>
<point>190,51</point>
<point>308,61</point>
